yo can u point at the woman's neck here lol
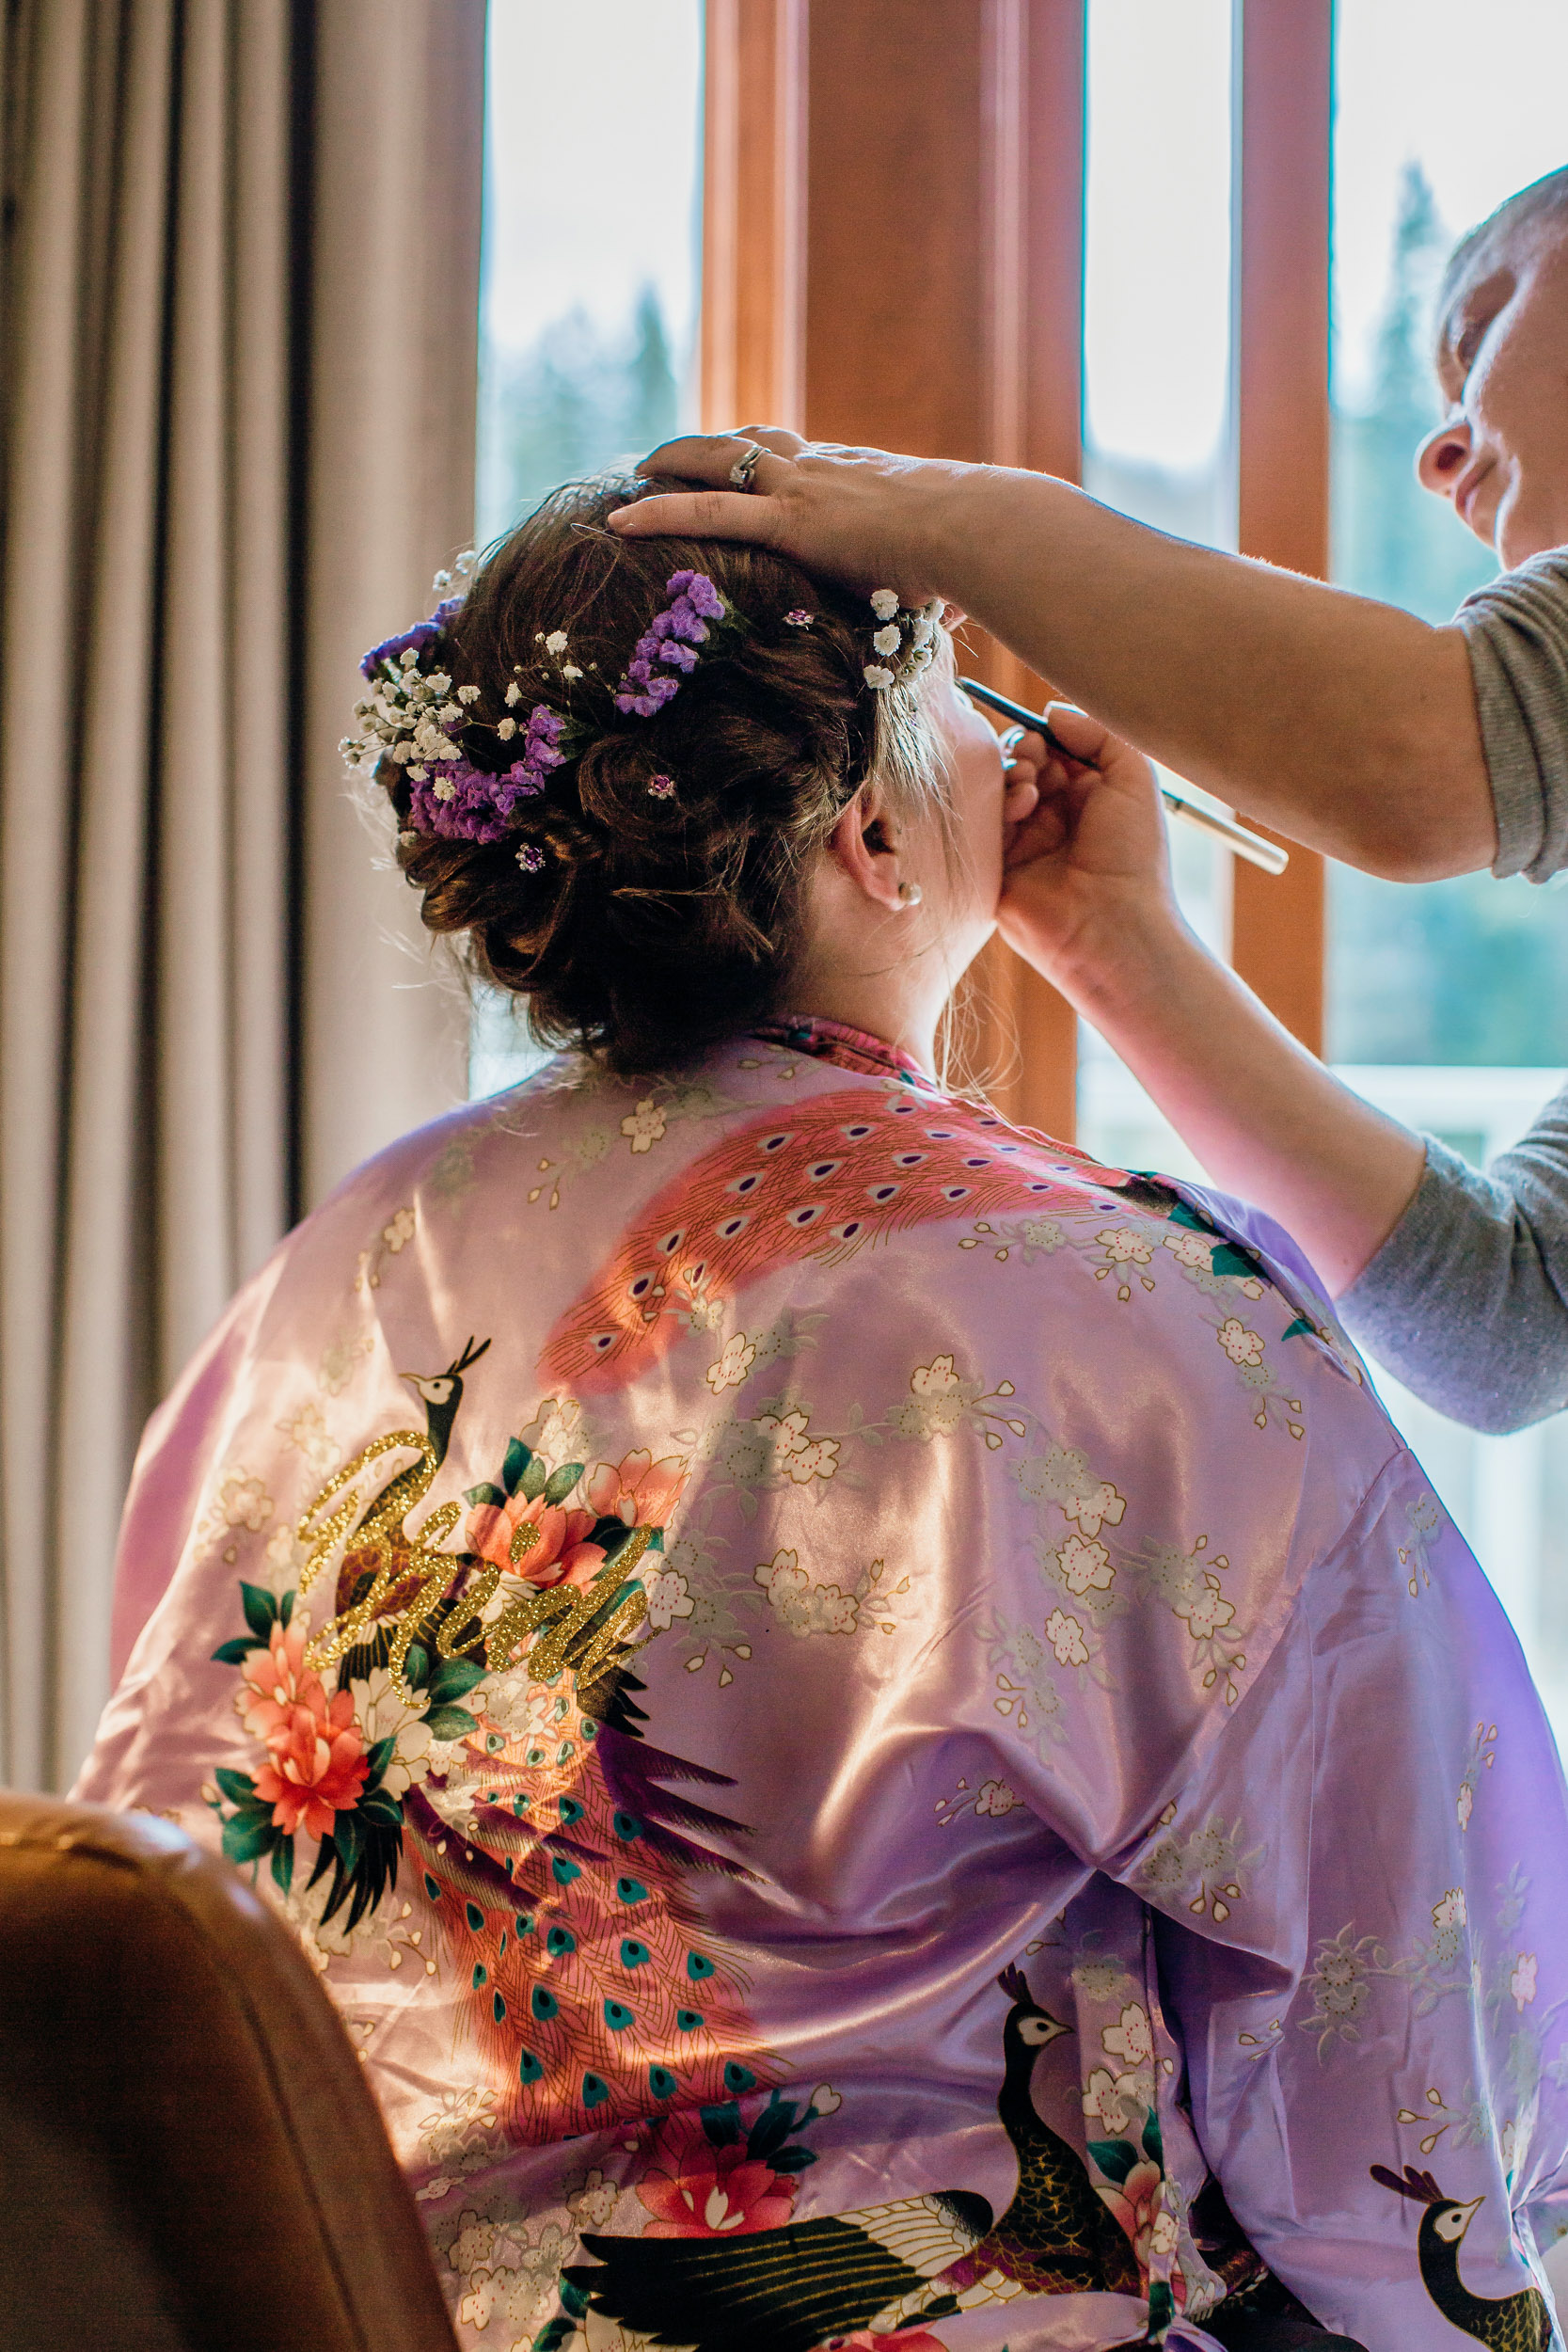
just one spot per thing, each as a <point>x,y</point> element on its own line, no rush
<point>883,1005</point>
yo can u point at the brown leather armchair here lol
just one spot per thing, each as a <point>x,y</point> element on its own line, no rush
<point>190,2158</point>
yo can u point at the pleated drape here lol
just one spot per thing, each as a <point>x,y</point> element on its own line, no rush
<point>238,312</point>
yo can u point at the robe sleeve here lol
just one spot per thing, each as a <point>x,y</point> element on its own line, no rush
<point>180,1446</point>
<point>1365,1961</point>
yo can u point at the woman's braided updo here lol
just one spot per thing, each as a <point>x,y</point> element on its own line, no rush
<point>664,910</point>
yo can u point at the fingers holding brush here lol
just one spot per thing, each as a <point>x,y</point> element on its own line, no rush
<point>1024,760</point>
<point>1087,870</point>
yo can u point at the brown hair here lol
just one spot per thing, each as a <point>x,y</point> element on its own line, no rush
<point>655,927</point>
<point>1546,198</point>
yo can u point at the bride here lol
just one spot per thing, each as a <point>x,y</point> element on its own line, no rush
<point>875,1735</point>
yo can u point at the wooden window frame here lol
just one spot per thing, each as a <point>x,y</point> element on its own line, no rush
<point>892,253</point>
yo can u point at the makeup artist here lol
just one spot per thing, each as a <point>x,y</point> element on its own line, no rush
<point>1410,751</point>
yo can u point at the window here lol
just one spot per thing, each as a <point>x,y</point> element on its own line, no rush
<point>1119,260</point>
<point>588,306</point>
<point>1159,437</point>
<point>1447,1005</point>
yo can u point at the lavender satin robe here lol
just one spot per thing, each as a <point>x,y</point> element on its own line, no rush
<point>792,1651</point>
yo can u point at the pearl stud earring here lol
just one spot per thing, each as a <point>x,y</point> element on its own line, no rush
<point>910,895</point>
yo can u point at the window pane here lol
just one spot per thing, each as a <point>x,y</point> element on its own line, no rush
<point>1157,264</point>
<point>1447,1004</point>
<point>1157,384</point>
<point>1469,971</point>
<point>588,309</point>
<point>588,304</point>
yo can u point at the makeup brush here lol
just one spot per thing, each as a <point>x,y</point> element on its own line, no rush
<point>1251,846</point>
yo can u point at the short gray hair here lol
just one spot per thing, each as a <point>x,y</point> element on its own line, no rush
<point>1546,198</point>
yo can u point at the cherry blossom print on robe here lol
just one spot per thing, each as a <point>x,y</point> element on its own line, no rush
<point>947,1784</point>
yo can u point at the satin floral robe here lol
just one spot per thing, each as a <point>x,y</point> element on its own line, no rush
<point>872,1730</point>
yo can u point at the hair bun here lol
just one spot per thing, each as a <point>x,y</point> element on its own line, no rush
<point>634,867</point>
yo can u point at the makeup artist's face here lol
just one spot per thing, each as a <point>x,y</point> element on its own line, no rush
<point>1502,454</point>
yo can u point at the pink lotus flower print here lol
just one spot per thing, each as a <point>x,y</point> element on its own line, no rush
<point>1137,2205</point>
<point>695,2189</point>
<point>276,1679</point>
<point>902,2340</point>
<point>638,1490</point>
<point>538,1541</point>
<point>316,1764</point>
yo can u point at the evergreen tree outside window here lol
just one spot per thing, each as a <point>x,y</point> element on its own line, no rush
<point>588,292</point>
<point>1457,973</point>
<point>1448,1004</point>
<point>1159,437</point>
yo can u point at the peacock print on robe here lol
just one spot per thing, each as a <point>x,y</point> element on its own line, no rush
<point>879,1745</point>
<point>517,1794</point>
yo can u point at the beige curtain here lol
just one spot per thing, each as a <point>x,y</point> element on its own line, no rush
<point>238,310</point>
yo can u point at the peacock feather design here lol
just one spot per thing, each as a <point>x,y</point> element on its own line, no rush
<point>914,2259</point>
<point>1508,2322</point>
<point>537,1827</point>
<point>842,1170</point>
<point>593,1989</point>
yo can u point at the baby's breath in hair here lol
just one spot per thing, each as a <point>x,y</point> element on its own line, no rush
<point>648,898</point>
<point>904,644</point>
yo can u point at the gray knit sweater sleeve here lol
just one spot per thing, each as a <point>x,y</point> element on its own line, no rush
<point>1516,632</point>
<point>1467,1300</point>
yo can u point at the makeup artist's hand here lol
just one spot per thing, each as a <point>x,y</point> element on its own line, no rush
<point>1089,869</point>
<point>862,516</point>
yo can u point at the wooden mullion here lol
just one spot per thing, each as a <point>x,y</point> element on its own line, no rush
<point>892,253</point>
<point>1052,125</point>
<point>1033,99</point>
<point>1277,930</point>
<point>752,350</point>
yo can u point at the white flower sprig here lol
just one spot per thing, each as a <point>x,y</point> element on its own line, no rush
<point>911,636</point>
<point>406,717</point>
<point>556,644</point>
<point>462,565</point>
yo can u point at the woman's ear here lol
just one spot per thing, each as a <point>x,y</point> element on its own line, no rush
<point>862,844</point>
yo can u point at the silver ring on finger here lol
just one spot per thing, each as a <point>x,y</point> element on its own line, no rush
<point>746,465</point>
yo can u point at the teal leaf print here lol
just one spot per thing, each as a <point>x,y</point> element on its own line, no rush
<point>453,1677</point>
<point>261,1610</point>
<point>1115,2157</point>
<point>451,1723</point>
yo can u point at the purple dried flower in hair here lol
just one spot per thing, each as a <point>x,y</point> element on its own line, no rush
<point>705,597</point>
<point>457,803</point>
<point>416,639</point>
<point>671,638</point>
<point>460,801</point>
<point>423,633</point>
<point>680,620</point>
